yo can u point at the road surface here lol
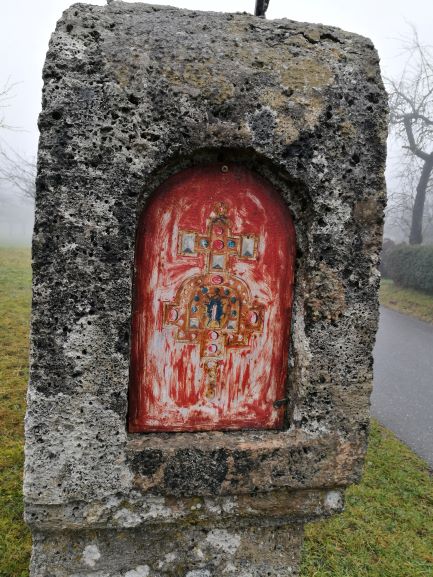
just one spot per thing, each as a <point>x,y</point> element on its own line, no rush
<point>403,380</point>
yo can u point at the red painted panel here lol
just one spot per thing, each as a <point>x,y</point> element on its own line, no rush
<point>213,294</point>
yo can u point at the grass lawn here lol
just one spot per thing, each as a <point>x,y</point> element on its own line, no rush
<point>14,327</point>
<point>386,530</point>
<point>408,301</point>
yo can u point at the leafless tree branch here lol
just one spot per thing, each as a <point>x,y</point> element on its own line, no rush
<point>18,172</point>
<point>6,96</point>
<point>411,105</point>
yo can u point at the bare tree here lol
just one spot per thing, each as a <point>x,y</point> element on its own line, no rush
<point>19,172</point>
<point>5,97</point>
<point>15,170</point>
<point>401,200</point>
<point>411,105</point>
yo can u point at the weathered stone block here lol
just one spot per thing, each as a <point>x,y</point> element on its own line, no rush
<point>132,94</point>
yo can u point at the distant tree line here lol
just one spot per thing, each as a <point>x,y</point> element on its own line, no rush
<point>408,266</point>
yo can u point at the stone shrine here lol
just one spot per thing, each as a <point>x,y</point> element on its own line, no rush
<point>209,210</point>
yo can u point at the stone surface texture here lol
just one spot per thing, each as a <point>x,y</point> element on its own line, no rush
<point>132,94</point>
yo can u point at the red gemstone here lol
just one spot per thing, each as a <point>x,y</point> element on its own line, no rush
<point>213,335</point>
<point>218,230</point>
<point>217,279</point>
<point>217,245</point>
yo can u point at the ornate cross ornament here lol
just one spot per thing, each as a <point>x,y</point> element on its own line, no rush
<point>215,309</point>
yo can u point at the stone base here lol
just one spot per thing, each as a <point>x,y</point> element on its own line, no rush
<point>272,551</point>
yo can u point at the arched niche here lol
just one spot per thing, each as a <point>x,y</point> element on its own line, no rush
<point>213,290</point>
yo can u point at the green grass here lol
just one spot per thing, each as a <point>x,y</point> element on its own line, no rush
<point>387,527</point>
<point>385,531</point>
<point>14,327</point>
<point>407,301</point>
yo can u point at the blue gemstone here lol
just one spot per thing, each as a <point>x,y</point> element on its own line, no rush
<point>231,244</point>
<point>204,243</point>
<point>194,309</point>
<point>233,299</point>
<point>196,298</point>
<point>226,291</point>
<point>234,313</point>
<point>204,289</point>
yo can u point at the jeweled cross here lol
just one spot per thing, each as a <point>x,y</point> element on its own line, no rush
<point>218,243</point>
<point>215,309</point>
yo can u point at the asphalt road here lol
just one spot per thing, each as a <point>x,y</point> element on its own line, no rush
<point>403,380</point>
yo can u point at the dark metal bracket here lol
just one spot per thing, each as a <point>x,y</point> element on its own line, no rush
<point>261,7</point>
<point>281,402</point>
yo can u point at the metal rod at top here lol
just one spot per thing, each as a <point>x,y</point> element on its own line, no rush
<point>261,7</point>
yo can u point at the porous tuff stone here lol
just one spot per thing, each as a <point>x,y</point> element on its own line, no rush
<point>132,94</point>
